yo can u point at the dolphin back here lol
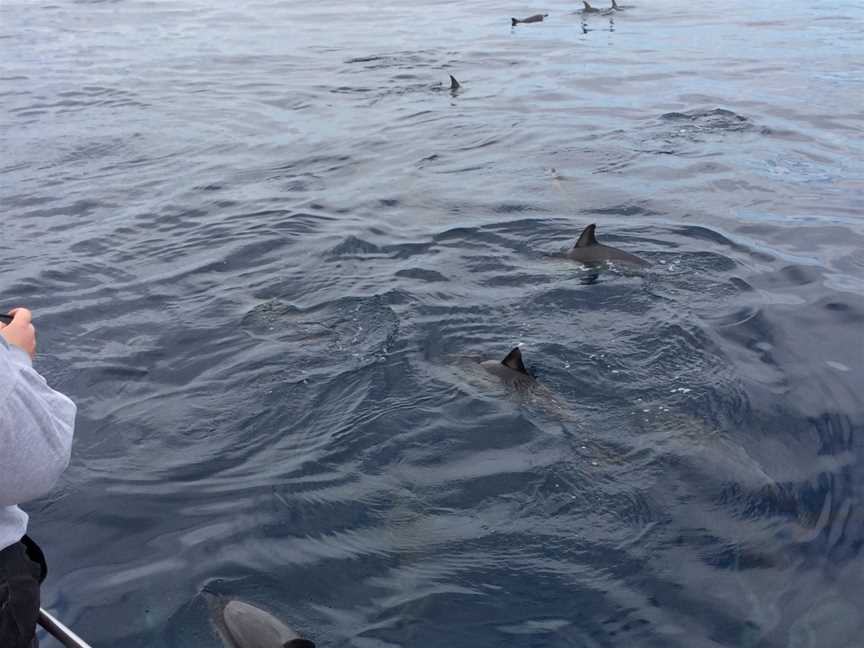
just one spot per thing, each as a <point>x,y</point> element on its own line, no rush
<point>241,625</point>
<point>589,250</point>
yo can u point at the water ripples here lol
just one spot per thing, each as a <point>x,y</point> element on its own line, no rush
<point>267,251</point>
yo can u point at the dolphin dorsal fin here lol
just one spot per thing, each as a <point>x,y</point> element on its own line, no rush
<point>298,643</point>
<point>514,361</point>
<point>614,4</point>
<point>454,84</point>
<point>587,6</point>
<point>587,237</point>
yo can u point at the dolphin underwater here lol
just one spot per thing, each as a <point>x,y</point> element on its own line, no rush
<point>241,625</point>
<point>510,370</point>
<point>591,252</point>
<point>529,19</point>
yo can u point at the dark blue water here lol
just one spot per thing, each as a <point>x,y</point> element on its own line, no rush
<point>260,239</point>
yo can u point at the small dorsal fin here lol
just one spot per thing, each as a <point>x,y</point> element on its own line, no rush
<point>587,238</point>
<point>454,84</point>
<point>514,361</point>
<point>587,6</point>
<point>614,5</point>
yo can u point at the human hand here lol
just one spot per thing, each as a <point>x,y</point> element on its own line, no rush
<point>20,331</point>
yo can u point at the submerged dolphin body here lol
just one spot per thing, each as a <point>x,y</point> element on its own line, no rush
<point>241,625</point>
<point>591,252</point>
<point>529,19</point>
<point>510,370</point>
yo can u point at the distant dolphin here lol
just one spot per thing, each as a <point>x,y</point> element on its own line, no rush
<point>241,625</point>
<point>529,19</point>
<point>590,252</point>
<point>589,9</point>
<point>510,370</point>
<point>454,86</point>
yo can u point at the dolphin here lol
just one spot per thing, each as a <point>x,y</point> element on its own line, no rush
<point>529,19</point>
<point>241,625</point>
<point>589,9</point>
<point>510,370</point>
<point>591,252</point>
<point>454,86</point>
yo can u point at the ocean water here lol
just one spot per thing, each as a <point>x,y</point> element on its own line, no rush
<point>264,244</point>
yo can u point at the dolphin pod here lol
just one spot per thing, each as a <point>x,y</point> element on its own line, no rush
<point>589,9</point>
<point>590,251</point>
<point>241,625</point>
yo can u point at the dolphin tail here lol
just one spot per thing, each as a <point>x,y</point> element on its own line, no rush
<point>454,84</point>
<point>515,22</point>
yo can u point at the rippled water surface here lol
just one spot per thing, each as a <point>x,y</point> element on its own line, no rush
<point>265,245</point>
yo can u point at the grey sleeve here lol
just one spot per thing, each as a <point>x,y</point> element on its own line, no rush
<point>36,426</point>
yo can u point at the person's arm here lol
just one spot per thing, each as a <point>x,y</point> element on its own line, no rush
<point>36,422</point>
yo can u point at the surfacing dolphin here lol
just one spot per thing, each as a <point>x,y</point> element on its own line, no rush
<point>454,87</point>
<point>589,9</point>
<point>523,385</point>
<point>241,625</point>
<point>591,252</point>
<point>510,370</point>
<point>529,19</point>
